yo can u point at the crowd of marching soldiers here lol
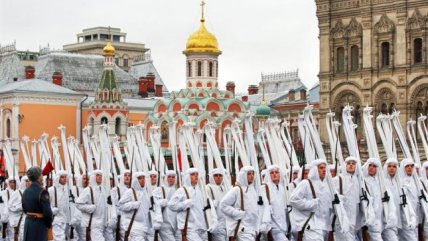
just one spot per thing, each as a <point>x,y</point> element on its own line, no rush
<point>86,212</point>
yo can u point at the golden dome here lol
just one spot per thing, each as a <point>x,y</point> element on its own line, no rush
<point>202,41</point>
<point>109,49</point>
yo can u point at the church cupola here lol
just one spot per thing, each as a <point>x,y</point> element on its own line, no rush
<point>202,58</point>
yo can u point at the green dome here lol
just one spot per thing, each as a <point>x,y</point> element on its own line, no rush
<point>263,110</point>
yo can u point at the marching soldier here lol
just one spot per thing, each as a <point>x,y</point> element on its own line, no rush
<point>16,215</point>
<point>36,205</point>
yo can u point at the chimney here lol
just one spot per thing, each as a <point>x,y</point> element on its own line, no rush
<point>244,98</point>
<point>142,87</point>
<point>253,90</point>
<point>158,92</point>
<point>151,82</point>
<point>291,95</point>
<point>230,86</point>
<point>29,72</point>
<point>303,94</point>
<point>57,78</point>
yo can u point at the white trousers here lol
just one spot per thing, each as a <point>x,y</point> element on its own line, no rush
<point>279,236</point>
<point>136,236</point>
<point>167,233</point>
<point>246,236</point>
<point>220,236</point>
<point>196,235</point>
<point>315,235</point>
<point>407,234</point>
<point>58,230</point>
<point>390,234</point>
<point>97,234</point>
<point>109,234</point>
<point>375,235</point>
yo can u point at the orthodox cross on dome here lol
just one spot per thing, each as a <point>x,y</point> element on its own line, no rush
<point>203,10</point>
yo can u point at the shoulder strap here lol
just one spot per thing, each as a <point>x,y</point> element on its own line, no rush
<point>423,185</point>
<point>77,190</point>
<point>56,197</point>
<point>235,233</point>
<point>163,193</point>
<point>312,188</point>
<point>92,200</point>
<point>340,186</point>
<point>8,195</point>
<point>267,192</point>
<point>118,193</point>
<point>187,212</point>
<point>212,193</point>
<point>312,213</point>
<point>294,184</point>
<point>367,188</point>
<point>135,212</point>
<point>20,193</point>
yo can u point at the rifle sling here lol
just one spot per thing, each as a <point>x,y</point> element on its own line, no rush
<point>235,234</point>
<point>88,229</point>
<point>133,216</point>
<point>312,213</point>
<point>184,231</point>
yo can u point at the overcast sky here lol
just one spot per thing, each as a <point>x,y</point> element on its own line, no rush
<point>255,36</point>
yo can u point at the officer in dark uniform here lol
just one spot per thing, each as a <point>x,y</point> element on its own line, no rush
<point>35,203</point>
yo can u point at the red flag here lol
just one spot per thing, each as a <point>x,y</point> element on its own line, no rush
<point>179,160</point>
<point>48,168</point>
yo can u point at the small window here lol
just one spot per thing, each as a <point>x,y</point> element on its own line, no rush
<point>87,38</point>
<point>199,68</point>
<point>92,121</point>
<point>116,61</point>
<point>211,69</point>
<point>116,38</point>
<point>189,69</point>
<point>104,120</point>
<point>417,50</point>
<point>125,62</point>
<point>385,54</point>
<point>117,126</point>
<point>8,128</point>
<point>354,58</point>
<point>340,60</point>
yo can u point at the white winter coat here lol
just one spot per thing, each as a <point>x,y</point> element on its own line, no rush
<point>230,205</point>
<point>128,204</point>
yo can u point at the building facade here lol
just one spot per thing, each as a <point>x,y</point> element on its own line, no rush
<point>93,40</point>
<point>201,100</point>
<point>373,52</point>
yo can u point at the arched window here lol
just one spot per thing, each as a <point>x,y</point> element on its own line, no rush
<point>8,128</point>
<point>391,108</point>
<point>354,58</point>
<point>92,123</point>
<point>211,69</point>
<point>384,109</point>
<point>340,59</point>
<point>189,69</point>
<point>117,126</point>
<point>199,68</point>
<point>385,54</point>
<point>216,68</point>
<point>104,120</point>
<point>417,51</point>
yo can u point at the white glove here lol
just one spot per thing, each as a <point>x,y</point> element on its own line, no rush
<point>91,208</point>
<point>136,204</point>
<point>315,204</point>
<point>55,210</point>
<point>163,202</point>
<point>240,214</point>
<point>264,228</point>
<point>188,203</point>
<point>111,223</point>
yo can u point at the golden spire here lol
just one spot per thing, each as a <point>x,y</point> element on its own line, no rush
<point>203,10</point>
<point>202,41</point>
<point>109,49</point>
